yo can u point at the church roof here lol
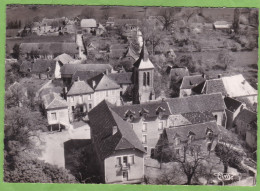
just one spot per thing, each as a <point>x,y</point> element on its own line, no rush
<point>143,61</point>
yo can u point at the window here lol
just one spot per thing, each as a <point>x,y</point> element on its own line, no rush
<point>144,139</point>
<point>131,159</point>
<point>71,99</point>
<point>72,108</point>
<point>152,152</point>
<point>53,116</point>
<point>145,148</point>
<point>144,127</point>
<point>144,79</point>
<point>148,78</point>
<point>125,161</point>
<point>89,97</point>
<point>90,106</point>
<point>81,108</point>
<point>118,161</point>
<point>160,125</point>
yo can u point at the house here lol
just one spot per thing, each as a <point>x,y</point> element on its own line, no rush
<point>120,154</point>
<point>68,70</point>
<point>64,59</point>
<point>127,24</point>
<point>147,120</point>
<point>110,22</point>
<point>48,50</point>
<point>221,25</point>
<point>243,122</point>
<point>79,95</point>
<point>88,26</point>
<point>233,107</point>
<point>143,73</point>
<point>211,103</point>
<point>41,68</point>
<point>105,88</point>
<point>189,82</point>
<point>56,109</point>
<point>84,75</point>
<point>124,80</point>
<point>212,86</point>
<point>206,135</point>
<point>100,29</point>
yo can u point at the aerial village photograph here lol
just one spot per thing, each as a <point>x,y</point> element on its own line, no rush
<point>131,95</point>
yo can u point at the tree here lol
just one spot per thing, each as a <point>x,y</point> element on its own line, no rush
<point>88,12</point>
<point>236,20</point>
<point>225,59</point>
<point>16,51</point>
<point>167,17</point>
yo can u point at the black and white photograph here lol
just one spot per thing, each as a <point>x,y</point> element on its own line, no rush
<point>131,95</point>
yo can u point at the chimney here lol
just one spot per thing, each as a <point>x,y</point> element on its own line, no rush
<point>219,75</point>
<point>65,92</point>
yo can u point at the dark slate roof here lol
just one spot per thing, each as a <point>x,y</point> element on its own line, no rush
<point>199,117</point>
<point>102,82</point>
<point>246,116</point>
<point>143,60</point>
<point>189,82</point>
<point>196,103</point>
<point>150,107</point>
<point>199,88</point>
<point>54,101</point>
<point>121,78</point>
<point>84,75</point>
<point>177,74</point>
<point>43,66</point>
<point>54,48</point>
<point>199,131</point>
<point>232,104</point>
<point>102,120</point>
<point>79,88</point>
<point>70,69</point>
<point>215,86</point>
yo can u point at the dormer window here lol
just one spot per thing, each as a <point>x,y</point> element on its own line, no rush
<point>143,113</point>
<point>160,111</point>
<point>129,114</point>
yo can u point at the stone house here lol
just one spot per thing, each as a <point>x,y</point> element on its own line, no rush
<point>56,109</point>
<point>120,154</point>
<point>79,95</point>
<point>147,120</point>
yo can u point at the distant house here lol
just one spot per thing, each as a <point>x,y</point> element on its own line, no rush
<point>189,82</point>
<point>233,107</point>
<point>48,50</point>
<point>221,25</point>
<point>204,134</point>
<point>127,24</point>
<point>120,154</point>
<point>243,121</point>
<point>90,26</point>
<point>68,70</point>
<point>56,110</point>
<point>110,22</point>
<point>64,59</point>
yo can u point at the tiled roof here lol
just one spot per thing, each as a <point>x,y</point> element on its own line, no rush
<point>246,116</point>
<point>102,120</point>
<point>196,103</point>
<point>232,104</point>
<point>150,107</point>
<point>70,69</point>
<point>88,23</point>
<point>102,82</point>
<point>54,101</point>
<point>79,88</point>
<point>177,74</point>
<point>84,75</point>
<point>54,48</point>
<point>215,86</point>
<point>121,78</point>
<point>199,117</point>
<point>64,58</point>
<point>189,82</point>
<point>43,66</point>
<point>199,131</point>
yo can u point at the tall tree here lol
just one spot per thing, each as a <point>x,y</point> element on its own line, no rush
<point>167,17</point>
<point>236,20</point>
